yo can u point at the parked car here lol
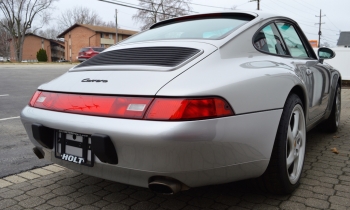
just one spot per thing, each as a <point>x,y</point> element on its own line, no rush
<point>62,61</point>
<point>2,59</point>
<point>198,100</point>
<point>88,52</point>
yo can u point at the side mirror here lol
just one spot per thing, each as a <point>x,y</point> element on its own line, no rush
<point>325,53</point>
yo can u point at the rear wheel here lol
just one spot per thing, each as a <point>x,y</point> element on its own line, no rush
<point>332,123</point>
<point>283,173</point>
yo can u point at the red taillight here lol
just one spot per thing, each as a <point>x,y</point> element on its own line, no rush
<point>110,106</point>
<point>171,109</point>
<point>188,109</point>
<point>34,98</point>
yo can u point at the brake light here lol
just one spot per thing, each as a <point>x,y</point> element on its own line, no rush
<point>34,98</point>
<point>168,109</point>
<point>188,109</point>
<point>109,106</point>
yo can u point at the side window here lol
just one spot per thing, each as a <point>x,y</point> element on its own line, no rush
<point>269,40</point>
<point>292,40</point>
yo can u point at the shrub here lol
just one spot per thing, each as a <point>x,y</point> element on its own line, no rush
<point>41,55</point>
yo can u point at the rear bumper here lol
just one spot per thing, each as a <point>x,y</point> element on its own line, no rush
<point>196,153</point>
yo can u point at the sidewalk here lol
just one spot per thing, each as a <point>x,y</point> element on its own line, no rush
<point>325,184</point>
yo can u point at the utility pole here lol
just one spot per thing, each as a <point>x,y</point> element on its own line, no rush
<point>116,26</point>
<point>319,31</point>
<point>258,1</point>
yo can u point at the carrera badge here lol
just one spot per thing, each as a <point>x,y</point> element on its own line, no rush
<point>94,80</point>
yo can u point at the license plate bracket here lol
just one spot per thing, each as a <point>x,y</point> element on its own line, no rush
<point>66,142</point>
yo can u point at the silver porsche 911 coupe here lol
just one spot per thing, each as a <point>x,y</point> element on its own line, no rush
<point>196,100</point>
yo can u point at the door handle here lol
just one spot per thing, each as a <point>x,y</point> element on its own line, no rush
<point>308,71</point>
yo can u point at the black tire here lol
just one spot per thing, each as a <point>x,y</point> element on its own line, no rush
<point>332,123</point>
<point>277,178</point>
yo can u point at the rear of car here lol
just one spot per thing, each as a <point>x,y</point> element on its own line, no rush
<point>89,52</point>
<point>166,104</point>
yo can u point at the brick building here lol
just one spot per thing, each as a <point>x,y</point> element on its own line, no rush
<point>80,35</point>
<point>33,43</point>
<point>57,50</point>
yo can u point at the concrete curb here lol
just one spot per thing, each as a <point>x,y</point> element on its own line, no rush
<point>30,175</point>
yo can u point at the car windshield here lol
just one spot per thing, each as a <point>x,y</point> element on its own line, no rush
<point>98,49</point>
<point>204,28</point>
<point>84,49</point>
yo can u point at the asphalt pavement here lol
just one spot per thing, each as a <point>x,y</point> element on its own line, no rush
<point>17,85</point>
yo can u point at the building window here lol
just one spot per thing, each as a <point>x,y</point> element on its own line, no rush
<point>102,45</point>
<point>102,35</point>
<point>111,36</point>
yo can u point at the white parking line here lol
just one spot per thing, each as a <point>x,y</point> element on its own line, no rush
<point>10,118</point>
<point>4,95</point>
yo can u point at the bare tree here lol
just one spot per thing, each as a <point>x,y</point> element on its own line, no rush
<point>49,33</point>
<point>4,42</point>
<point>158,10</point>
<point>110,24</point>
<point>82,15</point>
<point>19,16</point>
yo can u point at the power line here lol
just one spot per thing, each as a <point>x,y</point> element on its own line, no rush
<point>310,33</point>
<point>312,7</point>
<point>258,3</point>
<point>329,40</point>
<point>165,6</point>
<point>265,5</point>
<point>203,5</point>
<point>332,23</point>
<point>316,27</point>
<point>120,4</point>
<point>278,4</point>
<point>293,6</point>
<point>243,4</point>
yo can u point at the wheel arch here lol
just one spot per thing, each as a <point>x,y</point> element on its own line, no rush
<point>336,80</point>
<point>301,93</point>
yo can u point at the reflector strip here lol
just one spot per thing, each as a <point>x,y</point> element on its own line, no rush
<point>136,107</point>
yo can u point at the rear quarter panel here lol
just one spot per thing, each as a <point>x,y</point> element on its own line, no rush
<point>251,81</point>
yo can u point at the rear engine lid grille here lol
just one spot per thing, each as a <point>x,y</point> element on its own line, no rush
<point>147,56</point>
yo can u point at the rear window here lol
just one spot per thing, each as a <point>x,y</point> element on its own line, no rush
<point>84,49</point>
<point>98,49</point>
<point>203,28</point>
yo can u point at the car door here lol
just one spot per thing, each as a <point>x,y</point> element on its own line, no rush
<point>315,74</point>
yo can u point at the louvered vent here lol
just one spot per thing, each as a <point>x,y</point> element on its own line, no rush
<point>150,56</point>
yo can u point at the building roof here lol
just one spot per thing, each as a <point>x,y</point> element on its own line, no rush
<point>98,29</point>
<point>31,34</point>
<point>344,39</point>
<point>57,42</point>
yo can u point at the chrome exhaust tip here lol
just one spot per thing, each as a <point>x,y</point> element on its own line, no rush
<point>166,185</point>
<point>38,152</point>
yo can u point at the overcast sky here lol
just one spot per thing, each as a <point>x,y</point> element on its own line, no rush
<point>303,11</point>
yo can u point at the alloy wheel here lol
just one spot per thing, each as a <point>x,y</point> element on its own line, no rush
<point>296,139</point>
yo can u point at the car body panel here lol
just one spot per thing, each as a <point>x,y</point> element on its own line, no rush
<point>124,80</point>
